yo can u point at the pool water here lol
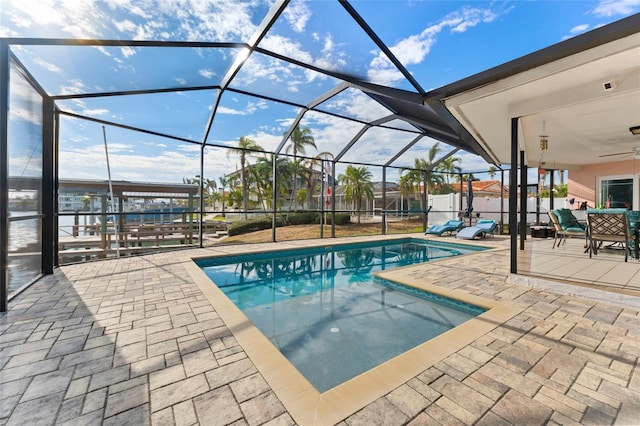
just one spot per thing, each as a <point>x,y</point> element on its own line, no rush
<point>327,314</point>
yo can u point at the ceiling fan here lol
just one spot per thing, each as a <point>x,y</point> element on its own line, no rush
<point>635,152</point>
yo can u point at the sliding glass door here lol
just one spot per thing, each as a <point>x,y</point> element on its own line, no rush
<point>618,192</point>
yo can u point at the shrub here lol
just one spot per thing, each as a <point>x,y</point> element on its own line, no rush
<point>303,218</point>
<point>297,218</point>
<point>341,218</point>
<point>251,225</point>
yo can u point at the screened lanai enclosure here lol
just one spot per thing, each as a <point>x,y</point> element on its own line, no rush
<point>270,130</point>
<point>303,114</point>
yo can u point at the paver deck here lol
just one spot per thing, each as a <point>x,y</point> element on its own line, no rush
<point>136,341</point>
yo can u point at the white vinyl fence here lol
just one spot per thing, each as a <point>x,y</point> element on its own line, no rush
<point>447,206</point>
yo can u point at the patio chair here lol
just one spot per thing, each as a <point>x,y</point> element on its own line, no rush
<point>565,228</point>
<point>480,229</point>
<point>450,226</point>
<point>609,225</point>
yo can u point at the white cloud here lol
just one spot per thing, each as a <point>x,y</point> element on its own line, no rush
<point>26,114</point>
<point>231,111</point>
<point>609,8</point>
<point>250,108</point>
<point>125,26</point>
<point>579,29</point>
<point>89,162</point>
<point>46,65</point>
<point>207,73</point>
<point>297,14</point>
<point>95,111</point>
<point>74,87</point>
<point>286,47</point>
<point>414,48</point>
<point>127,51</point>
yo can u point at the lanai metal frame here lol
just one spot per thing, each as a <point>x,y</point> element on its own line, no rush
<point>403,105</point>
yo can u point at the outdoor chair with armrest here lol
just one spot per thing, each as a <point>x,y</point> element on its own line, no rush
<point>565,228</point>
<point>615,226</point>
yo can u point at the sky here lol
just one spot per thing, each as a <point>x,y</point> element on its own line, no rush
<point>439,42</point>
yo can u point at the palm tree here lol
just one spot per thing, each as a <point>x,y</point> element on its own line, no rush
<point>412,177</point>
<point>224,181</point>
<point>449,167</point>
<point>300,140</point>
<point>206,187</point>
<point>263,171</point>
<point>492,172</point>
<point>463,177</point>
<point>209,188</point>
<point>244,144</point>
<point>312,182</point>
<point>357,185</point>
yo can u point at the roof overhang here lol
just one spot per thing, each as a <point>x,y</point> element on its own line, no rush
<point>583,94</point>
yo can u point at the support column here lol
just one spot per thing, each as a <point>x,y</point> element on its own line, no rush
<point>424,202</point>
<point>551,191</point>
<point>191,216</point>
<point>502,201</point>
<point>274,195</point>
<point>513,197</point>
<point>321,201</point>
<point>384,200</point>
<point>523,200</point>
<point>49,191</point>
<point>333,199</point>
<point>4,172</point>
<point>201,221</point>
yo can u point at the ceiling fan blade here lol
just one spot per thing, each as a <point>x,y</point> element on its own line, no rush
<point>617,153</point>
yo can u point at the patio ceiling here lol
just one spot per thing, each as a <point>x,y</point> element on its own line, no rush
<point>583,93</point>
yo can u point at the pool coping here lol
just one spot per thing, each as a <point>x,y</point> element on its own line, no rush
<point>308,406</point>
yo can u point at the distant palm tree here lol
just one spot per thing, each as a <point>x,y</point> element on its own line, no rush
<point>435,181</point>
<point>464,177</point>
<point>301,139</point>
<point>357,185</point>
<point>244,144</point>
<point>209,187</point>
<point>263,172</point>
<point>224,181</point>
<point>312,182</point>
<point>449,167</point>
<point>492,172</point>
<point>206,187</point>
<point>411,179</point>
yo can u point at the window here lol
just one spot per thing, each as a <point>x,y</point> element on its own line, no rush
<point>617,192</point>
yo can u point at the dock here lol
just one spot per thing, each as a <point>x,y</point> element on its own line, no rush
<point>87,241</point>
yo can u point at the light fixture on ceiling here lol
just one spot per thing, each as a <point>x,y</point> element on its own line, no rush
<point>544,143</point>
<point>544,139</point>
<point>544,146</point>
<point>635,130</point>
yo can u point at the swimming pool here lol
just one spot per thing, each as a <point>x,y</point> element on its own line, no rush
<point>326,312</point>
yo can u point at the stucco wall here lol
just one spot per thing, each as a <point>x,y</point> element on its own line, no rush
<point>581,184</point>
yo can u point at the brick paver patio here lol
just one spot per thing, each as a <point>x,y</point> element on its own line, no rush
<point>135,341</point>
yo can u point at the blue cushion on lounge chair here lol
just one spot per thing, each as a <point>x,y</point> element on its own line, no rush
<point>487,224</point>
<point>450,226</point>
